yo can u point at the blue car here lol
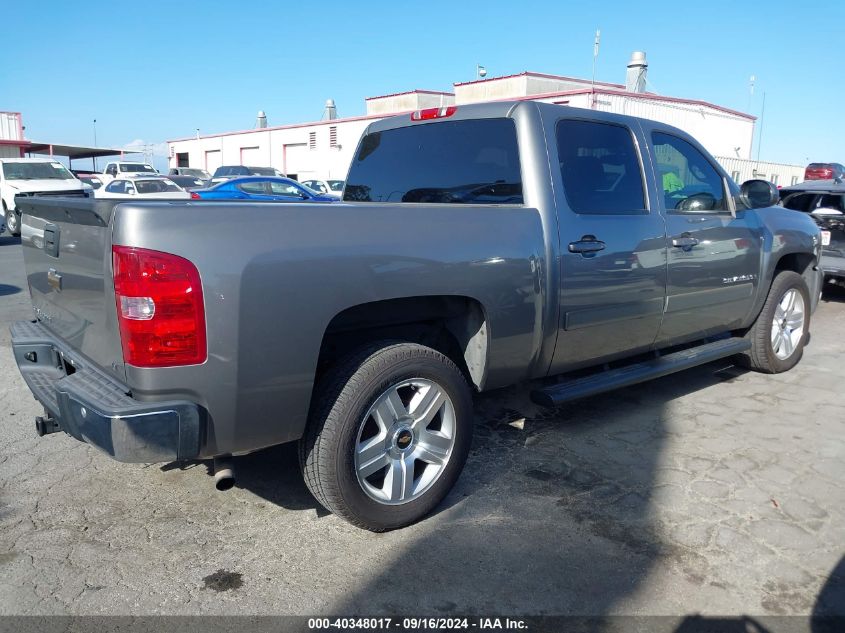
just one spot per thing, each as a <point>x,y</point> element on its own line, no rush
<point>262,188</point>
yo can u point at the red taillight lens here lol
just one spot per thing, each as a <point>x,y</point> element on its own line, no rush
<point>160,308</point>
<point>433,113</point>
<point>195,196</point>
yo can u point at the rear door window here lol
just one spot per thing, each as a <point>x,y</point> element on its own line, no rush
<point>452,162</point>
<point>600,168</point>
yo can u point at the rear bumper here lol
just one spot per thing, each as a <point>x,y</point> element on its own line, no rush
<point>94,408</point>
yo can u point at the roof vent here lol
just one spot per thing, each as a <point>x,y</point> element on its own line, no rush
<point>261,121</point>
<point>635,79</point>
<point>330,112</point>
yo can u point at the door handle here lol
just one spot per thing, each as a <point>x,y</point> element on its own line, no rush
<point>684,241</point>
<point>587,244</point>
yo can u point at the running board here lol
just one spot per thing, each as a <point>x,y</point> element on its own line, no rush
<point>556,395</point>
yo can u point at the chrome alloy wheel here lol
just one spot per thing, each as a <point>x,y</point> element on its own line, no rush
<point>405,441</point>
<point>788,324</point>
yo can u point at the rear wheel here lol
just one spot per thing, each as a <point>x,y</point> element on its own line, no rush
<point>780,332</point>
<point>390,434</point>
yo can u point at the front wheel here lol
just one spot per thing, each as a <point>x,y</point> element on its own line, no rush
<point>780,332</point>
<point>389,435</point>
<point>13,221</point>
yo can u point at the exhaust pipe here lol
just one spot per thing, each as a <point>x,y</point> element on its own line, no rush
<point>224,472</point>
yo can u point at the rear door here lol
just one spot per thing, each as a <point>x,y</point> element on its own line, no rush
<point>613,244</point>
<point>714,254</point>
<point>67,255</point>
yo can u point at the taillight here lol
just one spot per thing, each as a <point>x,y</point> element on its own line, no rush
<point>433,113</point>
<point>195,196</point>
<point>160,308</point>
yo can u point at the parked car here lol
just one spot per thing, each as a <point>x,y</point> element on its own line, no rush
<point>117,169</point>
<point>261,188</point>
<point>824,201</point>
<point>362,329</point>
<point>233,171</point>
<point>189,171</point>
<point>91,178</point>
<point>142,187</point>
<point>188,183</point>
<point>824,171</point>
<point>332,187</point>
<point>21,177</point>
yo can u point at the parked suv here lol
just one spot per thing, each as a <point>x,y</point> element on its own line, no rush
<point>824,201</point>
<point>231,171</point>
<point>189,171</point>
<point>824,171</point>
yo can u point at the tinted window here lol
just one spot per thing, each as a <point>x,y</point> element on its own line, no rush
<point>156,186</point>
<point>255,188</point>
<point>600,168</point>
<point>284,189</point>
<point>260,171</point>
<point>690,183</point>
<point>454,162</point>
<point>336,185</point>
<point>117,186</point>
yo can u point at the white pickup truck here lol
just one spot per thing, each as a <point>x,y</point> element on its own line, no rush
<point>117,169</point>
<point>34,176</point>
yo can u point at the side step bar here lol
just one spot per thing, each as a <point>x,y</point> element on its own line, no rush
<point>556,395</point>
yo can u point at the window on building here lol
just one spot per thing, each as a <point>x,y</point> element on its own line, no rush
<point>690,182</point>
<point>735,176</point>
<point>774,179</point>
<point>333,136</point>
<point>794,180</point>
<point>600,168</point>
<point>312,140</point>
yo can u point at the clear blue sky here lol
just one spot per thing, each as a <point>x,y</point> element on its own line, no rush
<point>159,70</point>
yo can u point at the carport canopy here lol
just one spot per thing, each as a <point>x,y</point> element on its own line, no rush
<point>73,151</point>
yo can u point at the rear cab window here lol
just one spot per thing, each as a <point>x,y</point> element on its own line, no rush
<point>473,161</point>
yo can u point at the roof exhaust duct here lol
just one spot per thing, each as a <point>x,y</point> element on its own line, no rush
<point>261,121</point>
<point>635,78</point>
<point>330,111</point>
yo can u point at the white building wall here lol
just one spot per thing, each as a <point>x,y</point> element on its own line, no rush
<point>741,170</point>
<point>9,151</point>
<point>722,133</point>
<point>10,126</point>
<point>305,151</point>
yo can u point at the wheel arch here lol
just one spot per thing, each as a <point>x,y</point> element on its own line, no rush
<point>455,325</point>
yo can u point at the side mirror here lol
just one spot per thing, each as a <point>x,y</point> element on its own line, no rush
<point>131,192</point>
<point>757,194</point>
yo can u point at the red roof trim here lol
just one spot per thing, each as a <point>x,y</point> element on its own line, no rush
<point>528,73</point>
<point>411,92</point>
<point>18,143</point>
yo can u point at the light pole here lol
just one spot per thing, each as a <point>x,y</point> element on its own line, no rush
<point>480,71</point>
<point>94,158</point>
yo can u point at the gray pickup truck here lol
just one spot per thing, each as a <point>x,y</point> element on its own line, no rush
<point>475,247</point>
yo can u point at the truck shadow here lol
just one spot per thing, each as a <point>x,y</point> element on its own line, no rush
<point>833,293</point>
<point>552,515</point>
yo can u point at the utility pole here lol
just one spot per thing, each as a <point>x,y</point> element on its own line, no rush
<point>94,158</point>
<point>760,135</point>
<point>595,57</point>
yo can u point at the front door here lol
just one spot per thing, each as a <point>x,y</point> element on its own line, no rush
<point>613,246</point>
<point>714,255</point>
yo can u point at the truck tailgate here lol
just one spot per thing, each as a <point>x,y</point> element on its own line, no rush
<point>67,255</point>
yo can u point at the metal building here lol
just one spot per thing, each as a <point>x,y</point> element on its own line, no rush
<point>324,149</point>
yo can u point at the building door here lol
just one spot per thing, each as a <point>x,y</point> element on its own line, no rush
<point>613,247</point>
<point>213,160</point>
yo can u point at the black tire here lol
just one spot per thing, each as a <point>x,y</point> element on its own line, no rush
<point>762,357</point>
<point>13,221</point>
<point>339,411</point>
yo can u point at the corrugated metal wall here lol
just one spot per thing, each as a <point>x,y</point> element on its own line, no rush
<point>780,174</point>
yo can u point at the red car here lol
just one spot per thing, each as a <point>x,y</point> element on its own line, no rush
<point>824,171</point>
